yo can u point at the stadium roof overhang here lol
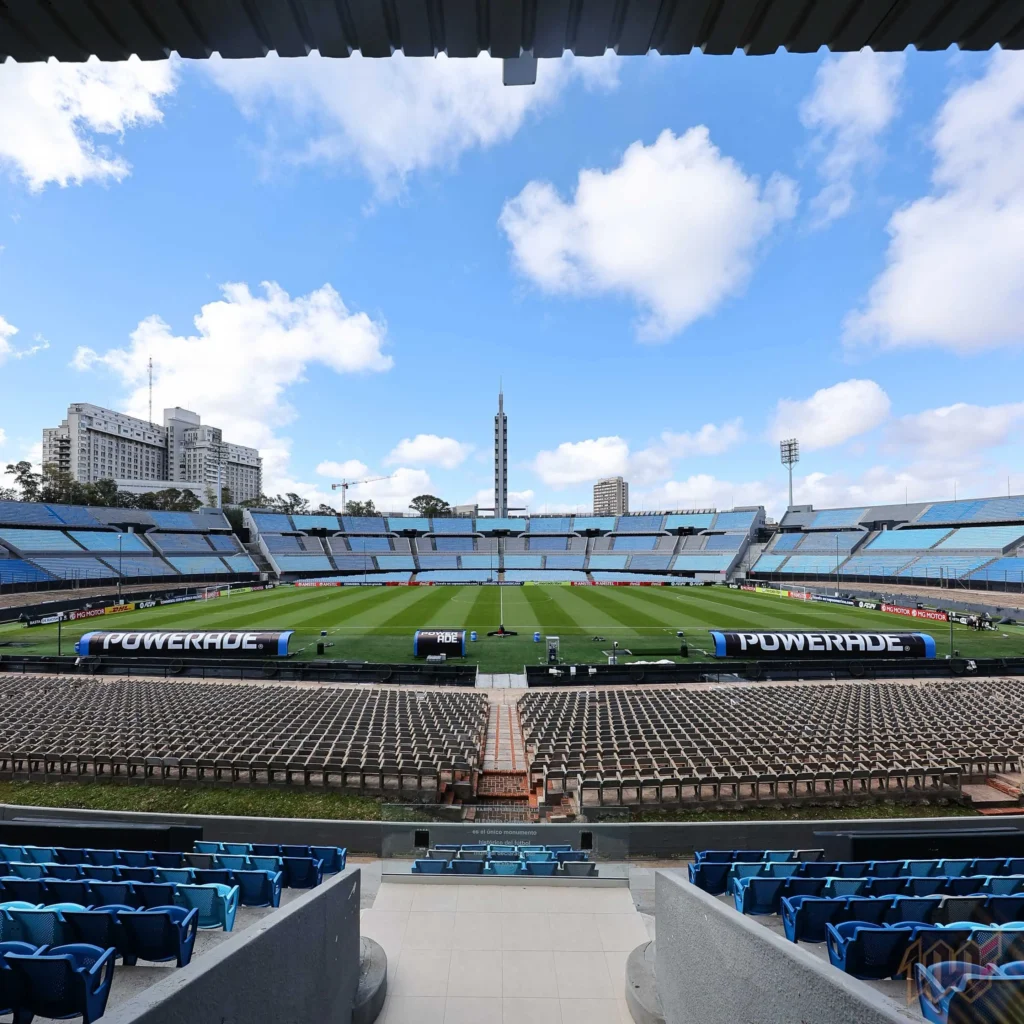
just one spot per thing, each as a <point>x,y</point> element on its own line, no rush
<point>519,31</point>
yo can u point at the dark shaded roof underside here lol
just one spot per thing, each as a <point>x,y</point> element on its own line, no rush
<point>73,30</point>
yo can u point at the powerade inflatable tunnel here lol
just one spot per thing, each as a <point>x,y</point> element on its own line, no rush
<point>196,644</point>
<point>831,646</point>
<point>449,642</point>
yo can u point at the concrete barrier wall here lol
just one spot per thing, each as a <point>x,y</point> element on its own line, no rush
<point>715,966</point>
<point>608,842</point>
<point>298,966</point>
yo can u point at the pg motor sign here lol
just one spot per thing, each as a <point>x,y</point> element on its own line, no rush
<point>834,646</point>
<point>167,644</point>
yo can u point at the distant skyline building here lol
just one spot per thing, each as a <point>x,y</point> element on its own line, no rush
<point>500,459</point>
<point>93,443</point>
<point>611,497</point>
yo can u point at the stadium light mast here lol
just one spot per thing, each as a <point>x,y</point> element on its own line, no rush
<point>790,452</point>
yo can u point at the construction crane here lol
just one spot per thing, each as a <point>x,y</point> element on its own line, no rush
<point>346,484</point>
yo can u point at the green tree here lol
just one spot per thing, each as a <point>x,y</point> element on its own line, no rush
<point>25,480</point>
<point>360,508</point>
<point>59,486</point>
<point>8,494</point>
<point>429,505</point>
<point>324,510</point>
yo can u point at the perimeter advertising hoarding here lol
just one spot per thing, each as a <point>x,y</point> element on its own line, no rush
<point>916,613</point>
<point>833,645</point>
<point>169,644</point>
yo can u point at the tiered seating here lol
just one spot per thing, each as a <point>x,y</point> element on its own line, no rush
<point>491,859</point>
<point>829,540</point>
<point>641,524</point>
<point>240,563</point>
<point>457,524</point>
<point>977,538</point>
<point>645,562</point>
<point>634,543</point>
<point>152,566</point>
<point>678,746</point>
<point>905,540</point>
<point>226,542</point>
<point>501,524</point>
<point>769,563</point>
<point>305,563</point>
<point>281,544</point>
<point>608,561</point>
<point>591,524</point>
<point>545,576</point>
<point>943,566</point>
<point>872,565</point>
<point>439,561</point>
<point>1002,570</point>
<point>391,562</point>
<point>837,517</point>
<point>821,563</point>
<point>360,544</point>
<point>981,510</point>
<point>551,524</point>
<point>38,540</point>
<point>15,570</point>
<point>304,522</point>
<point>699,563</point>
<point>209,566</point>
<point>688,521</point>
<point>549,543</point>
<point>75,568</point>
<point>367,740</point>
<point>181,543</point>
<point>271,522</point>
<point>106,540</point>
<point>408,524</point>
<point>53,980</point>
<point>724,542</point>
<point>787,541</point>
<point>520,561</point>
<point>455,544</point>
<point>456,575</point>
<point>364,524</point>
<point>73,515</point>
<point>27,513</point>
<point>559,561</point>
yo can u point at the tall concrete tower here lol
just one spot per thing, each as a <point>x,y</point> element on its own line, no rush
<point>500,459</point>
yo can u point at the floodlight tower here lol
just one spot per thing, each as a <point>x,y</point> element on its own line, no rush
<point>790,452</point>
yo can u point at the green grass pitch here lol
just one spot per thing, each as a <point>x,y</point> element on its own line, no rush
<point>377,623</point>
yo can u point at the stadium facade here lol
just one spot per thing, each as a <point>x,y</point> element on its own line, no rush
<point>500,459</point>
<point>92,443</point>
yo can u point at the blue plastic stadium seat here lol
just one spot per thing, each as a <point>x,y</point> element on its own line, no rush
<point>466,867</point>
<point>913,909</point>
<point>258,888</point>
<point>176,876</point>
<point>40,854</point>
<point>206,846</point>
<point>333,858</point>
<point>68,891</point>
<point>113,892</point>
<point>66,980</point>
<point>302,872</point>
<point>429,867</point>
<point>131,874</point>
<point>41,927</point>
<point>160,934</point>
<point>154,894</point>
<point>211,876</point>
<point>216,904</point>
<point>937,984</point>
<point>546,868</point>
<point>867,951</point>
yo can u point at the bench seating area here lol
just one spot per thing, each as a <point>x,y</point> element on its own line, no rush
<point>497,859</point>
<point>361,739</point>
<point>678,746</point>
<point>946,924</point>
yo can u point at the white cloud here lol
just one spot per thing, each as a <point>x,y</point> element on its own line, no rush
<point>392,117</point>
<point>3,437</point>
<point>832,415</point>
<point>348,470</point>
<point>954,272</point>
<point>429,450</point>
<point>516,499</point>
<point>676,226</point>
<point>957,430</point>
<point>394,493</point>
<point>246,352</point>
<point>7,331</point>
<point>577,462</point>
<point>52,113</point>
<point>855,99</point>
<point>702,490</point>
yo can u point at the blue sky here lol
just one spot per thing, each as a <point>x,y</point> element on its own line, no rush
<point>670,263</point>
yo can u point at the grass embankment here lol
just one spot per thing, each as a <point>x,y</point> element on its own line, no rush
<point>270,803</point>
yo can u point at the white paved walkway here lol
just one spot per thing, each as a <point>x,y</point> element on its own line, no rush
<point>503,954</point>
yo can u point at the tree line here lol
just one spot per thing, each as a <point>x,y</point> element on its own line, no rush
<point>59,487</point>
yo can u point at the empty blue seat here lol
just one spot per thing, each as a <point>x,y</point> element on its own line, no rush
<point>212,876</point>
<point>67,871</point>
<point>177,875</point>
<point>258,888</point>
<point>426,866</point>
<point>263,863</point>
<point>24,869</point>
<point>884,886</point>
<point>237,848</point>
<point>908,909</point>
<point>885,868</point>
<point>504,867</point>
<point>296,851</point>
<point>573,855</point>
<point>757,895</point>
<point>266,849</point>
<point>99,872</point>
<point>920,868</point>
<point>987,866</point>
<point>40,854</point>
<point>113,892</point>
<point>711,876</point>
<point>96,927</point>
<point>333,857</point>
<point>10,853</point>
<point>820,869</point>
<point>1004,885</point>
<point>136,858</point>
<point>68,891</point>
<point>466,867</point>
<point>153,894</point>
<point>40,927</point>
<point>29,890</point>
<point>136,874</point>
<point>302,872</point>
<point>160,934</point>
<point>938,983</point>
<point>168,858</point>
<point>952,868</point>
<point>541,867</point>
<point>867,951</point>
<point>66,980</point>
<point>579,868</point>
<point>1004,909</point>
<point>844,886</point>
<point>919,885</point>
<point>103,858</point>
<point>233,862</point>
<point>70,855</point>
<point>217,904</point>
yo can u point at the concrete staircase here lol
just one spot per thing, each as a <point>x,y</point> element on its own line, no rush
<point>252,549</point>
